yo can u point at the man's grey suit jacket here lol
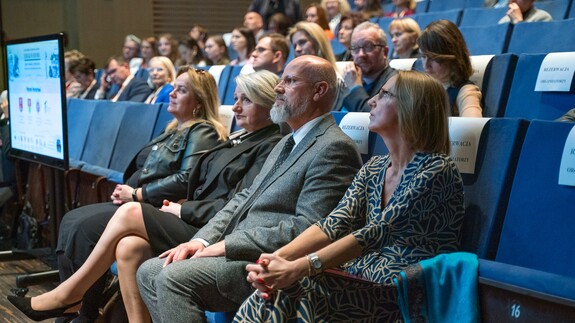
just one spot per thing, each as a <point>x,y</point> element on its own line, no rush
<point>306,188</point>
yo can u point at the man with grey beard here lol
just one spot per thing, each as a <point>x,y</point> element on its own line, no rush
<point>302,180</point>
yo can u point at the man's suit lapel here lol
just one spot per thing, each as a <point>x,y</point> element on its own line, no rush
<point>307,142</point>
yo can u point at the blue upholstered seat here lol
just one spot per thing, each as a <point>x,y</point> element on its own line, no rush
<point>444,5</point>
<point>543,37</point>
<point>534,267</point>
<point>482,16</point>
<point>424,19</point>
<point>487,191</point>
<point>483,40</point>
<point>526,103</point>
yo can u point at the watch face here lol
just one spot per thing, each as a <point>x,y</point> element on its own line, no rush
<point>317,264</point>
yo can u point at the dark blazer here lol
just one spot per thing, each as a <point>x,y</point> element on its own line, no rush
<point>306,187</point>
<point>137,90</point>
<point>231,172</point>
<point>356,100</point>
<point>162,167</point>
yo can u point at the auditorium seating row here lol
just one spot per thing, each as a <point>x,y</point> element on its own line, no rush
<point>484,35</point>
<point>519,219</point>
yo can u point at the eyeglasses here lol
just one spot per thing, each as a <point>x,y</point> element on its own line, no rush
<point>261,49</point>
<point>385,94</point>
<point>367,48</point>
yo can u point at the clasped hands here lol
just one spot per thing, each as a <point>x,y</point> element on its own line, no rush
<point>122,194</point>
<point>272,272</point>
<point>514,13</point>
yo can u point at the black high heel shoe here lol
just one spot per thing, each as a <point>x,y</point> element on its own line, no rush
<point>25,306</point>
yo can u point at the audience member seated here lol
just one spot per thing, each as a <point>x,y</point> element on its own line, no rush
<point>569,116</point>
<point>369,8</point>
<point>73,87</point>
<point>347,23</point>
<point>131,48</point>
<point>307,38</point>
<point>369,70</point>
<point>160,171</point>
<point>404,33</point>
<point>192,53</point>
<point>217,51</point>
<point>243,42</point>
<point>83,71</point>
<point>445,57</point>
<point>279,24</point>
<point>199,33</point>
<point>401,208</point>
<point>282,202</point>
<point>402,8</point>
<point>271,53</point>
<point>148,49</point>
<point>168,46</point>
<point>162,76</point>
<point>266,9</point>
<point>130,88</point>
<point>315,13</point>
<point>524,11</point>
<point>335,9</point>
<point>254,22</point>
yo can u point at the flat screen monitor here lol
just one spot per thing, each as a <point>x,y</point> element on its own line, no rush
<point>37,99</point>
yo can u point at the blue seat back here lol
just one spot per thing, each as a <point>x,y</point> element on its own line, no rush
<point>421,6</point>
<point>135,131</point>
<point>228,98</point>
<point>424,19</point>
<point>79,117</point>
<point>487,190</point>
<point>540,220</point>
<point>556,8</point>
<point>102,134</point>
<point>485,40</point>
<point>164,117</point>
<point>524,102</point>
<point>571,11</point>
<point>528,38</point>
<point>482,16</point>
<point>336,46</point>
<point>444,5</point>
<point>497,82</point>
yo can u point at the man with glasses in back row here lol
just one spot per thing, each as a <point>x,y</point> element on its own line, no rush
<point>369,70</point>
<point>271,53</point>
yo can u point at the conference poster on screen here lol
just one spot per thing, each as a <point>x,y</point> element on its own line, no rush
<point>35,98</point>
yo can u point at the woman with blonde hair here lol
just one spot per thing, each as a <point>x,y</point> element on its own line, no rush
<point>401,208</point>
<point>402,8</point>
<point>162,76</point>
<point>404,33</point>
<point>445,56</point>
<point>163,169</point>
<point>307,38</point>
<point>335,9</point>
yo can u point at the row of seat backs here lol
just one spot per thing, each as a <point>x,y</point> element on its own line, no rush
<point>508,88</point>
<point>484,35</point>
<point>108,135</point>
<point>532,277</point>
<point>473,9</point>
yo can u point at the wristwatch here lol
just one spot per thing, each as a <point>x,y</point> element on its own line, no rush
<point>135,195</point>
<point>315,264</point>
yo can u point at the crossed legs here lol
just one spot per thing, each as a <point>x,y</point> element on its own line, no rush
<point>127,223</point>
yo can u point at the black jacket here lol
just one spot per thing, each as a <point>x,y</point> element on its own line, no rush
<point>162,167</point>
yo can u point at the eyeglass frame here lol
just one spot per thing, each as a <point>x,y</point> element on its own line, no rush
<point>367,48</point>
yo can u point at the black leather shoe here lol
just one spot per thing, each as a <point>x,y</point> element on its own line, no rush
<point>24,305</point>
